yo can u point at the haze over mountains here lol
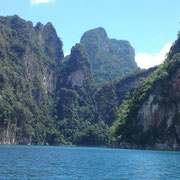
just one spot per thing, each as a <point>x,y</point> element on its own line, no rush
<point>94,96</point>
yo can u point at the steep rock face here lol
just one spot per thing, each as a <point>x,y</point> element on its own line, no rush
<point>44,100</point>
<point>110,58</point>
<point>77,70</point>
<point>29,58</point>
<point>76,78</point>
<point>49,40</point>
<point>52,48</point>
<point>160,108</point>
<point>110,96</point>
<point>75,81</point>
<point>75,108</point>
<point>34,45</point>
<point>150,119</point>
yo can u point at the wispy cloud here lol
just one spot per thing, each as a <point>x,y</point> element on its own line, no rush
<point>36,2</point>
<point>145,60</point>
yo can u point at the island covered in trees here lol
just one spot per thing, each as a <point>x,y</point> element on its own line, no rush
<point>96,96</point>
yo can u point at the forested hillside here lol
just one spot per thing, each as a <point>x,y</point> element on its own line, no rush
<point>75,100</point>
<point>110,58</point>
<point>29,59</point>
<point>44,98</point>
<point>150,119</point>
<point>110,96</point>
<point>95,97</point>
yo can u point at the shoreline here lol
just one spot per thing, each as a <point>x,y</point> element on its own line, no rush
<point>147,148</point>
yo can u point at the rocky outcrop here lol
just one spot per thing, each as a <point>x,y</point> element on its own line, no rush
<point>110,96</point>
<point>9,136</point>
<point>77,69</point>
<point>151,118</point>
<point>160,112</point>
<point>50,41</point>
<point>110,58</point>
<point>30,59</point>
<point>51,46</point>
<point>159,108</point>
<point>47,100</point>
<point>76,78</point>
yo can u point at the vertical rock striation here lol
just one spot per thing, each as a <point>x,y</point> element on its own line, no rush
<point>30,59</point>
<point>151,118</point>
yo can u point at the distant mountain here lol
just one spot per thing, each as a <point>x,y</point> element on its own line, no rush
<point>151,118</point>
<point>110,58</point>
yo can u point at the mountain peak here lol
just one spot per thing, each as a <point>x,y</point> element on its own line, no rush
<point>95,34</point>
<point>110,58</point>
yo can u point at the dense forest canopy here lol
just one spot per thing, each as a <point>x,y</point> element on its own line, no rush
<point>151,116</point>
<point>96,96</point>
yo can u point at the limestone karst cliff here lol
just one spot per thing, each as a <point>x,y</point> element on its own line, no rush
<point>150,119</point>
<point>51,48</point>
<point>111,95</point>
<point>48,99</point>
<point>30,58</point>
<point>110,58</point>
<point>43,98</point>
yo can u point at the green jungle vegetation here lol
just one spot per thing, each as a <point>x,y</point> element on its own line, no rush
<point>111,95</point>
<point>110,58</point>
<point>125,128</point>
<point>24,105</point>
<point>46,98</point>
<point>39,104</point>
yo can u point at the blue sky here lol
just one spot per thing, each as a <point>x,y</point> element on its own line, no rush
<point>149,25</point>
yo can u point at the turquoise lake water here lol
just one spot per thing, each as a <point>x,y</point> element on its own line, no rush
<point>48,162</point>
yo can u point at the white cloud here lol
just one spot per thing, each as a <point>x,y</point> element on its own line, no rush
<point>145,60</point>
<point>66,54</point>
<point>36,2</point>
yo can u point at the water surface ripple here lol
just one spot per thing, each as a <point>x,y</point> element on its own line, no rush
<point>50,163</point>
